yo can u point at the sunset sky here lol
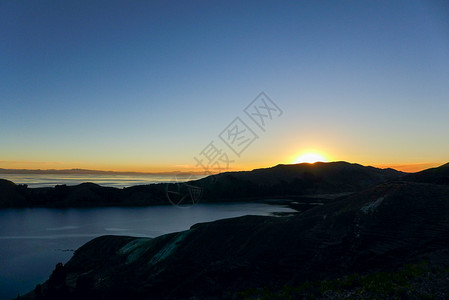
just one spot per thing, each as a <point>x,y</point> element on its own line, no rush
<point>148,85</point>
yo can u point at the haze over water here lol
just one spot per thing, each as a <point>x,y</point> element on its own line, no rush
<point>118,181</point>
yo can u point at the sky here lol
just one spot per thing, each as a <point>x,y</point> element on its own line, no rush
<point>159,86</point>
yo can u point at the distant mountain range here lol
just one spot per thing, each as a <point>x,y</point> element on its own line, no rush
<point>386,240</point>
<point>281,181</point>
<point>91,172</point>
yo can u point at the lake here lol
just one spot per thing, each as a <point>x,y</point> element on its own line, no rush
<point>34,240</point>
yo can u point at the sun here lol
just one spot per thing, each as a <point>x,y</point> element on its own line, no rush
<point>310,157</point>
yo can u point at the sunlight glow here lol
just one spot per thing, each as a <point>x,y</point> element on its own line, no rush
<point>310,157</point>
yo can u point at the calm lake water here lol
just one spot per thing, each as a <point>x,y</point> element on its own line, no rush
<point>34,240</point>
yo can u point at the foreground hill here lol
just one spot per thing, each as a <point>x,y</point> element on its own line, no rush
<point>278,181</point>
<point>384,234</point>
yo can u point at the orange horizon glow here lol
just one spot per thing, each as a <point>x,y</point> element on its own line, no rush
<point>307,157</point>
<point>409,168</point>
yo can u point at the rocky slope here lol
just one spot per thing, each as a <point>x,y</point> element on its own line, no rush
<point>376,230</point>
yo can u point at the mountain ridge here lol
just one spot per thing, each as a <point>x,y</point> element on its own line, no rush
<point>438,175</point>
<point>379,229</point>
<point>370,234</point>
<point>278,181</point>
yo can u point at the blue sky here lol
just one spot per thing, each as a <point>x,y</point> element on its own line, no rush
<point>147,85</point>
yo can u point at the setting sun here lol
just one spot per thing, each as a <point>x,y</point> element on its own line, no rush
<point>309,157</point>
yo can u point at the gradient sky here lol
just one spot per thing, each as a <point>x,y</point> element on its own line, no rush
<point>147,85</point>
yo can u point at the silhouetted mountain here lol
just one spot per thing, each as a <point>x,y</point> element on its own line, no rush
<point>10,194</point>
<point>296,179</point>
<point>439,175</point>
<point>279,181</point>
<point>381,229</point>
<point>82,195</point>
